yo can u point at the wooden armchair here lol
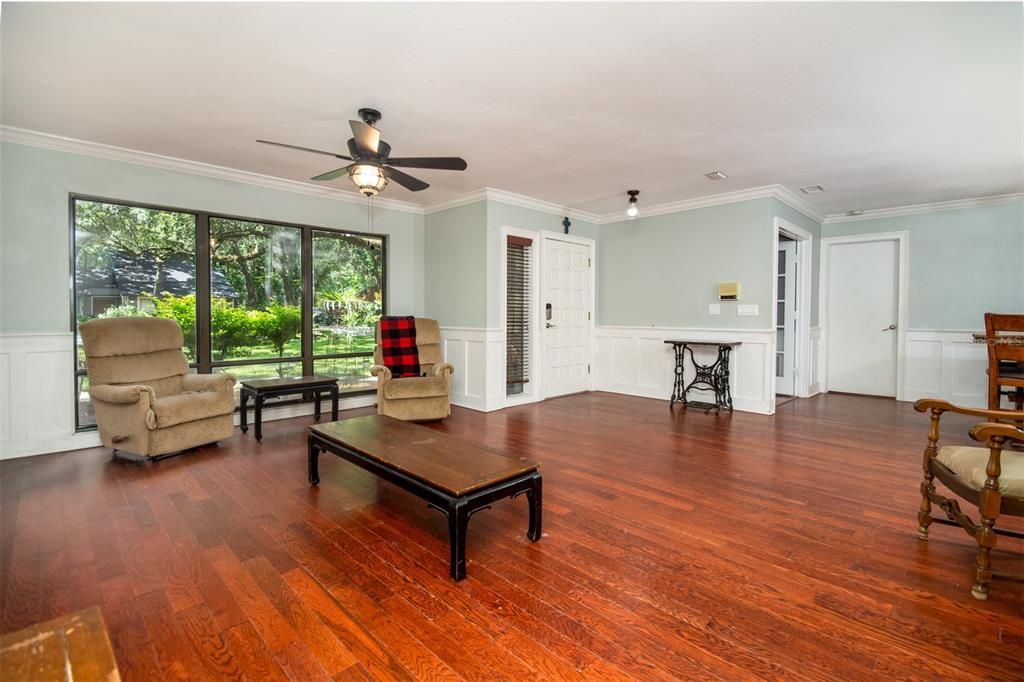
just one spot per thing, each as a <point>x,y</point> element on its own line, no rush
<point>989,477</point>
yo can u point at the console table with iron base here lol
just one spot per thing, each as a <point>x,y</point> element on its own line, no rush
<point>714,377</point>
<point>454,477</point>
<point>261,389</point>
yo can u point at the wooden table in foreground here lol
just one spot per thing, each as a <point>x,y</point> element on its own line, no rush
<point>72,647</point>
<point>454,477</point>
<point>261,389</point>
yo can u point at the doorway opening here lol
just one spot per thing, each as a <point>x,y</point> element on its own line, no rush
<point>791,312</point>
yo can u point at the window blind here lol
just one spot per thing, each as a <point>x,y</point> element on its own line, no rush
<point>517,314</point>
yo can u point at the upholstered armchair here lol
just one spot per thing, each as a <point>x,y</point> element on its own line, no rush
<point>146,401</point>
<point>419,398</point>
<point>989,478</point>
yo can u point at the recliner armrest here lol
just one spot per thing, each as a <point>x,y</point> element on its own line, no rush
<point>222,383</point>
<point>123,395</point>
<point>381,372</point>
<point>441,368</point>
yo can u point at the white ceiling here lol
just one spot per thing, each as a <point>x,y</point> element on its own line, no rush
<point>884,104</point>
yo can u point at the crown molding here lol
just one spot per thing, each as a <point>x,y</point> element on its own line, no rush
<point>34,138</point>
<point>768,191</point>
<point>513,199</point>
<point>917,209</point>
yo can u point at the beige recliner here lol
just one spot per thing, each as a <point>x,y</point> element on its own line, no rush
<point>416,398</point>
<point>146,401</point>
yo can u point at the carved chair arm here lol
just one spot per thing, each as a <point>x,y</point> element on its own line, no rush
<point>938,406</point>
<point>990,432</point>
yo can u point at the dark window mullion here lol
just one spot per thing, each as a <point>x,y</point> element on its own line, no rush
<point>307,301</point>
<point>203,331</point>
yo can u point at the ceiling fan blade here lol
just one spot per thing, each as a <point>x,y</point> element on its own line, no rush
<point>438,162</point>
<point>405,180</point>
<point>330,175</point>
<point>305,149</point>
<point>367,137</point>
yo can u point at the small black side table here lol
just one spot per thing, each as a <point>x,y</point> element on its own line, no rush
<point>260,389</point>
<point>714,376</point>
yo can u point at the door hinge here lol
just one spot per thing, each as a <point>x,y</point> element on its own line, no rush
<point>588,314</point>
<point>588,369</point>
<point>588,262</point>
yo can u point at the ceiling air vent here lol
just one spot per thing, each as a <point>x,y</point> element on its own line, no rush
<point>716,175</point>
<point>812,189</point>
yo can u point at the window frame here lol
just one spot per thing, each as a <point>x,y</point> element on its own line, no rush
<point>204,363</point>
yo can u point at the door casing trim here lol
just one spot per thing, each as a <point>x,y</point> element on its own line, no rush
<point>902,239</point>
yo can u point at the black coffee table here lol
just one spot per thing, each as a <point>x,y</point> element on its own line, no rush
<point>261,389</point>
<point>454,477</point>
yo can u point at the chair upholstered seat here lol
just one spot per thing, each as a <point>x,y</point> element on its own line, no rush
<point>189,407</point>
<point>969,464</point>
<point>416,387</point>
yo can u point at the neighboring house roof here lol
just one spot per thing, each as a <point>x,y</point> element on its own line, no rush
<point>134,275</point>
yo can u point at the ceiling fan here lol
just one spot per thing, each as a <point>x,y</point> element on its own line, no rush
<point>372,166</point>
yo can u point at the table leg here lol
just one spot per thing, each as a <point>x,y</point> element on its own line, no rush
<point>334,403</point>
<point>313,460</point>
<point>243,407</point>
<point>257,410</point>
<point>458,525</point>
<point>533,496</point>
<point>316,405</point>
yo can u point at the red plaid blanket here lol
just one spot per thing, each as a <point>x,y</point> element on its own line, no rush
<point>398,346</point>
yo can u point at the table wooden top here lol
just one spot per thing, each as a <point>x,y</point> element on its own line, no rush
<point>677,342</point>
<point>297,383</point>
<point>434,458</point>
<point>75,646</point>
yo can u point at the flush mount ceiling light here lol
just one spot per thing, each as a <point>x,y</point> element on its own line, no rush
<point>368,177</point>
<point>632,211</point>
<point>812,189</point>
<point>716,175</point>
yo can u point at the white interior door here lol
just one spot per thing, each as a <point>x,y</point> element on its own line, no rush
<point>785,318</point>
<point>862,317</point>
<point>565,316</point>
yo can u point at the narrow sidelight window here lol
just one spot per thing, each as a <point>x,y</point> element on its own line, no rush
<point>517,315</point>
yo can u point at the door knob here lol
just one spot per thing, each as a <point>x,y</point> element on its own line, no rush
<point>889,328</point>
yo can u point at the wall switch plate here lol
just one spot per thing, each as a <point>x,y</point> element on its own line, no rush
<point>747,310</point>
<point>714,308</point>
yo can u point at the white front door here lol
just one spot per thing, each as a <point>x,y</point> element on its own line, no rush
<point>565,316</point>
<point>862,310</point>
<point>785,318</point>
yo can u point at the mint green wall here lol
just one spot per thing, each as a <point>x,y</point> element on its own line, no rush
<point>34,229</point>
<point>963,263</point>
<point>506,215</point>
<point>455,265</point>
<point>664,270</point>
<point>787,212</point>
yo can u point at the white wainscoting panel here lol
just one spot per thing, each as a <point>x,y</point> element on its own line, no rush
<point>479,366</point>
<point>947,365</point>
<point>637,361</point>
<point>37,397</point>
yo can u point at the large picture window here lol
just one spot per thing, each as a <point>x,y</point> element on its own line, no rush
<point>256,299</point>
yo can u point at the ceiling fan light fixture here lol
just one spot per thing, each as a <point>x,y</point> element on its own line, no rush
<point>632,210</point>
<point>369,178</point>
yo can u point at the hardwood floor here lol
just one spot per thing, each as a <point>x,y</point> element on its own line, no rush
<point>676,546</point>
